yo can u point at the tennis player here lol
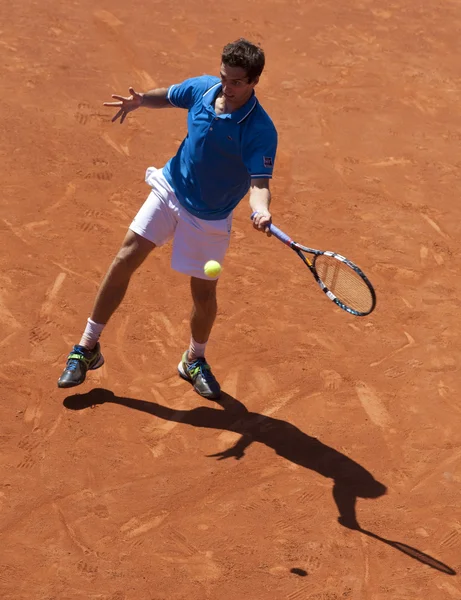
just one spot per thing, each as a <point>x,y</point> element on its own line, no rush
<point>229,151</point>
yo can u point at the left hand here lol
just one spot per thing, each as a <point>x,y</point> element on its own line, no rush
<point>262,220</point>
<point>125,104</point>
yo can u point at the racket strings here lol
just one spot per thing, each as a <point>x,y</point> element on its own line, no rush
<point>345,283</point>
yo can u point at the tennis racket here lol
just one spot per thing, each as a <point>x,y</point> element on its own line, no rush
<point>340,279</point>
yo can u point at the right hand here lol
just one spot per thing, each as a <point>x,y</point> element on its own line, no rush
<point>262,220</point>
<point>126,104</point>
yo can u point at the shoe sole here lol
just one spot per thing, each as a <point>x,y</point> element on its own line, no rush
<point>183,373</point>
<point>184,376</point>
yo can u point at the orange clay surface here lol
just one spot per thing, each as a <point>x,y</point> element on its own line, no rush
<point>115,490</point>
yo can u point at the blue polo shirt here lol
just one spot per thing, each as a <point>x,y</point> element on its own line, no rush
<point>213,167</point>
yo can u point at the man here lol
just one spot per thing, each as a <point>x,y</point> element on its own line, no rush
<point>229,150</point>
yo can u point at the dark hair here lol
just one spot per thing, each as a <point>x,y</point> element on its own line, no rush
<point>246,55</point>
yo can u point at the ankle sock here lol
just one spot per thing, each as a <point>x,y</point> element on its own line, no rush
<point>91,334</point>
<point>196,350</point>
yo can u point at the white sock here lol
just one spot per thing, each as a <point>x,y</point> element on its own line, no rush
<point>91,334</point>
<point>196,350</point>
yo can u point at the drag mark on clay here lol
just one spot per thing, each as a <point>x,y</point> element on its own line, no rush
<point>423,254</point>
<point>70,532</point>
<point>146,80</point>
<point>51,294</point>
<point>405,301</point>
<point>67,270</point>
<point>36,225</point>
<point>263,380</point>
<point>123,150</point>
<point>230,383</point>
<point>391,161</point>
<point>7,317</point>
<point>411,342</point>
<point>5,340</point>
<point>135,527</point>
<point>434,225</point>
<point>33,415</point>
<point>282,400</point>
<point>372,405</point>
<point>53,428</point>
<point>68,196</point>
<point>108,18</point>
<point>366,560</point>
<point>16,232</point>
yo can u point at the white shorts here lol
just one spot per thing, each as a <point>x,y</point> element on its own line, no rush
<point>195,241</point>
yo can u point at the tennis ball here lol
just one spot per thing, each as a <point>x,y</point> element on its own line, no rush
<point>212,268</point>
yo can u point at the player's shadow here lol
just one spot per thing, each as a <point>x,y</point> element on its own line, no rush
<point>350,480</point>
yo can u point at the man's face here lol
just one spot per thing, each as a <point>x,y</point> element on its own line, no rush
<point>235,85</point>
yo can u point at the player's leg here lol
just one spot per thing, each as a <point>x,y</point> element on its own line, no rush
<point>86,356</point>
<point>153,226</point>
<point>204,309</point>
<point>193,365</point>
<point>133,252</point>
<point>196,241</point>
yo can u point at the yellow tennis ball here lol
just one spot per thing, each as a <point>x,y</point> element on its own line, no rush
<point>212,268</point>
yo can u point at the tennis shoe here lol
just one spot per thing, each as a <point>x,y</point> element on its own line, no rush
<point>198,373</point>
<point>79,361</point>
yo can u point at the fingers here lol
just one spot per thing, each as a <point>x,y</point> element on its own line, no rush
<point>126,104</point>
<point>262,221</point>
<point>120,113</point>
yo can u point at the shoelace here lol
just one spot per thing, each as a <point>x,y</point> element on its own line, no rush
<point>202,367</point>
<point>72,363</point>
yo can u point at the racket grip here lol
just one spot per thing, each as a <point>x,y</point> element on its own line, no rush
<point>278,233</point>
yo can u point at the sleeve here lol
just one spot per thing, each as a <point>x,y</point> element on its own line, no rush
<point>187,93</point>
<point>181,95</point>
<point>259,155</point>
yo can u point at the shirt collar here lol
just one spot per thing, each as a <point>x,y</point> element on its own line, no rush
<point>239,115</point>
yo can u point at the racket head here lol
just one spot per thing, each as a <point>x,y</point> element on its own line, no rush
<point>344,283</point>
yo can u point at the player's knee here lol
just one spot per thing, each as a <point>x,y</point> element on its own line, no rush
<point>206,302</point>
<point>132,252</point>
<point>204,293</point>
<point>123,261</point>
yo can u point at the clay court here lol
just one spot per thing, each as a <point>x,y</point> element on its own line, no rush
<point>133,487</point>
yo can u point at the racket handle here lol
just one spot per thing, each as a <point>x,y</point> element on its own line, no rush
<point>278,233</point>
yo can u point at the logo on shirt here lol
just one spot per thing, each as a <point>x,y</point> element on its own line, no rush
<point>268,162</point>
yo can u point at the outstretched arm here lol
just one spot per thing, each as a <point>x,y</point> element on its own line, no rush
<point>153,99</point>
